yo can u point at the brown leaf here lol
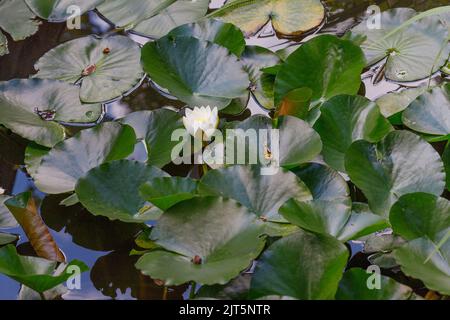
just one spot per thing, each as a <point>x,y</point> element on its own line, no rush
<point>24,209</point>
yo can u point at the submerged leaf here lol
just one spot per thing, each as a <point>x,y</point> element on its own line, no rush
<point>24,209</point>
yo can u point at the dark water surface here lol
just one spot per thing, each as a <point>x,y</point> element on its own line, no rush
<point>104,245</point>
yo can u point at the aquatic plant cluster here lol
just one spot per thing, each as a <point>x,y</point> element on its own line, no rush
<point>352,172</point>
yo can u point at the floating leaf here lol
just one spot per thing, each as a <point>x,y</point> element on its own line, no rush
<point>71,159</point>
<point>354,286</point>
<point>254,59</point>
<point>323,182</point>
<point>387,170</point>
<point>289,18</point>
<point>329,66</point>
<point>152,18</point>
<point>112,190</point>
<point>413,52</point>
<point>165,192</point>
<point>345,119</point>
<point>104,75</point>
<point>24,209</point>
<point>430,112</point>
<point>298,142</point>
<point>395,102</point>
<point>59,10</point>
<point>156,128</point>
<point>296,103</point>
<point>209,240</point>
<point>35,115</point>
<point>215,31</point>
<point>236,289</point>
<point>197,72</point>
<point>414,260</point>
<point>302,265</point>
<point>36,273</point>
<point>7,220</point>
<point>418,215</point>
<point>6,238</point>
<point>334,218</point>
<point>262,194</point>
<point>17,19</point>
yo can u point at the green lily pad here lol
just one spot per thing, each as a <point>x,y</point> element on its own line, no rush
<point>418,215</point>
<point>303,265</point>
<point>290,18</point>
<point>329,66</point>
<point>215,31</point>
<point>17,19</point>
<point>254,59</point>
<point>323,182</point>
<point>33,156</point>
<point>57,10</point>
<point>411,53</point>
<point>112,190</point>
<point>414,260</point>
<point>6,238</point>
<point>197,72</point>
<point>345,119</point>
<point>209,240</point>
<point>387,170</point>
<point>298,142</point>
<point>156,128</point>
<point>7,220</point>
<point>430,112</point>
<point>165,192</point>
<point>262,194</point>
<point>362,222</point>
<point>236,289</point>
<point>395,102</point>
<point>71,159</point>
<point>36,273</point>
<point>353,286</point>
<point>37,114</point>
<point>152,18</point>
<point>107,68</point>
<point>334,218</point>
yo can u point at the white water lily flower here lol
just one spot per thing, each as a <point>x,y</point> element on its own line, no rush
<point>200,120</point>
<point>2,191</point>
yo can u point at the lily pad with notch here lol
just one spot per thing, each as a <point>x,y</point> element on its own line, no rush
<point>209,240</point>
<point>107,68</point>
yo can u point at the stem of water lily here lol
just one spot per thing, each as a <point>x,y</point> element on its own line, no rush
<point>192,292</point>
<point>164,297</point>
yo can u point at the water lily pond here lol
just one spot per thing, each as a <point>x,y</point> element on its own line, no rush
<point>348,197</point>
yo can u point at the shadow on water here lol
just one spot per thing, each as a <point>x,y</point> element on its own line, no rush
<point>102,244</point>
